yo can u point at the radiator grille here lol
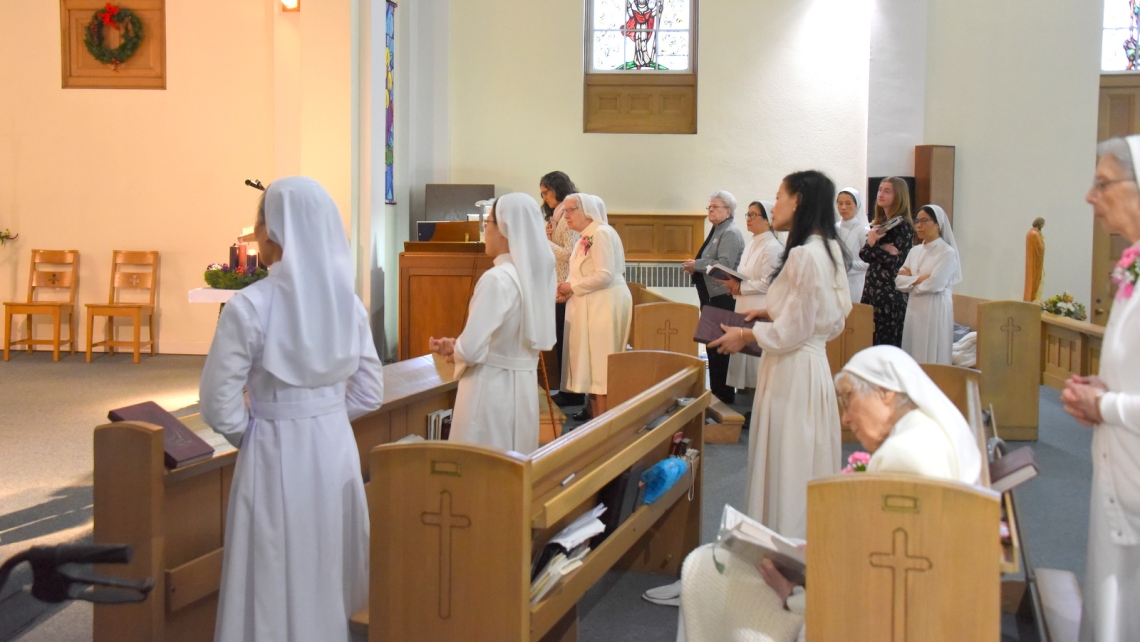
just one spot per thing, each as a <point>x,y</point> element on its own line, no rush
<point>658,275</point>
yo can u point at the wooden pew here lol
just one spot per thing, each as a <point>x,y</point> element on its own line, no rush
<point>175,519</point>
<point>665,326</point>
<point>1009,357</point>
<point>858,334</point>
<point>1068,347</point>
<point>461,522</point>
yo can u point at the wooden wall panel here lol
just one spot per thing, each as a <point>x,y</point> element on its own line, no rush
<point>146,69</point>
<point>934,177</point>
<point>641,104</point>
<point>659,237</point>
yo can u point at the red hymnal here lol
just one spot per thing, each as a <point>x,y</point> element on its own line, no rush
<point>708,329</point>
<point>180,445</point>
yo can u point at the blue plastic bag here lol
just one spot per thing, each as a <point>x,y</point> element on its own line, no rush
<point>662,476</point>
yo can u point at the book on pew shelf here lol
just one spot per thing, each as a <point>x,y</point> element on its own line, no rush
<point>558,568</point>
<point>619,497</point>
<point>751,540</point>
<point>722,273</point>
<point>578,533</point>
<point>1013,469</point>
<point>180,445</point>
<point>708,329</point>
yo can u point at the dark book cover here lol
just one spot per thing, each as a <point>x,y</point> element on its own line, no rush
<point>180,445</point>
<point>1014,468</point>
<point>708,329</point>
<point>619,497</point>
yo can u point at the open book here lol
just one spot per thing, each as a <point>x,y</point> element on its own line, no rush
<point>751,540</point>
<point>721,273</point>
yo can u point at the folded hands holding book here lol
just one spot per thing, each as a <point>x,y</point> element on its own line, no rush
<point>736,339</point>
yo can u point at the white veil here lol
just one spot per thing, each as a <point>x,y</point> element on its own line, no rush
<point>947,234</point>
<point>520,221</point>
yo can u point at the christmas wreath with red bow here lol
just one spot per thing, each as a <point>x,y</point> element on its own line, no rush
<point>122,20</point>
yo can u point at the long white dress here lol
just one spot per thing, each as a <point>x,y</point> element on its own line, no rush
<point>795,434</point>
<point>598,314</point>
<point>760,259</point>
<point>928,330</point>
<point>496,404</point>
<point>1112,574</point>
<point>296,544</point>
<point>853,236</point>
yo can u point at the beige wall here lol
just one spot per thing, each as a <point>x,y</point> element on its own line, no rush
<point>782,87</point>
<point>1015,90</point>
<point>98,170</point>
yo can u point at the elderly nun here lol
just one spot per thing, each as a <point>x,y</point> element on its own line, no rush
<point>1110,404</point>
<point>510,320</point>
<point>299,344</point>
<point>907,424</point>
<point>760,260</point>
<point>931,270</point>
<point>853,228</point>
<point>599,308</point>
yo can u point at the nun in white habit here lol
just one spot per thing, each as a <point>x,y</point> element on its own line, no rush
<point>510,320</point>
<point>853,228</point>
<point>760,259</point>
<point>930,271</point>
<point>295,566</point>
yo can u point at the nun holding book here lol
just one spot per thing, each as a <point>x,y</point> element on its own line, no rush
<point>760,260</point>
<point>510,320</point>
<point>295,565</point>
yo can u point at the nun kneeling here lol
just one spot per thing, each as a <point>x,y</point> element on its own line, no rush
<point>510,320</point>
<point>295,566</point>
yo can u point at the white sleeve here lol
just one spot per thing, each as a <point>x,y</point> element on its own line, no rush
<point>605,264</point>
<point>793,325</point>
<point>766,262</point>
<point>364,391</point>
<point>906,283</point>
<point>221,391</point>
<point>494,294</point>
<point>1121,409</point>
<point>944,269</point>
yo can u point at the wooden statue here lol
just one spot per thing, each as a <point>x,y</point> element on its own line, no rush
<point>1034,261</point>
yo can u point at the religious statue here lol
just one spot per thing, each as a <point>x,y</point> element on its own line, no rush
<point>1034,261</point>
<point>641,28</point>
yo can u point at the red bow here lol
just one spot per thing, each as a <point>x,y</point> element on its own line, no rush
<point>108,16</point>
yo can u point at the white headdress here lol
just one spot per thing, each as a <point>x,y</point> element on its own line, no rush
<point>947,234</point>
<point>520,221</point>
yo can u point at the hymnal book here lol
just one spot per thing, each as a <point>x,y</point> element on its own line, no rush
<point>569,539</point>
<point>1013,469</point>
<point>751,540</point>
<point>437,422</point>
<point>559,567</point>
<point>708,329</point>
<point>890,224</point>
<point>620,499</point>
<point>180,445</point>
<point>721,273</point>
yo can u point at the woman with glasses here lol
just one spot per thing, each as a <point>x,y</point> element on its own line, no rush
<point>929,273</point>
<point>760,260</point>
<point>884,254</point>
<point>723,245</point>
<point>553,189</point>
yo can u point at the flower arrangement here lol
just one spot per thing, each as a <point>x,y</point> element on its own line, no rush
<point>1064,305</point>
<point>7,235</point>
<point>222,277</point>
<point>1127,273</point>
<point>587,242</point>
<point>857,462</point>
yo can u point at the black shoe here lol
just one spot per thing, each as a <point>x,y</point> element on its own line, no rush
<point>747,419</point>
<point>564,398</point>
<point>582,415</point>
<point>728,398</point>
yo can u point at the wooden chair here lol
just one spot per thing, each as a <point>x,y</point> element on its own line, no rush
<point>665,326</point>
<point>126,279</point>
<point>51,270</point>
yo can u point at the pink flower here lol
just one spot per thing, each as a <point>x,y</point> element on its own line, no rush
<point>847,469</point>
<point>1125,291</point>
<point>859,457</point>
<point>587,242</point>
<point>1128,257</point>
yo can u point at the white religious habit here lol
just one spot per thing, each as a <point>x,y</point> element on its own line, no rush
<point>598,313</point>
<point>933,440</point>
<point>760,259</point>
<point>1112,574</point>
<point>853,236</point>
<point>928,330</point>
<point>795,415</point>
<point>295,565</point>
<point>510,320</point>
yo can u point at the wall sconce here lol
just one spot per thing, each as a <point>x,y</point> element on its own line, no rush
<point>290,5</point>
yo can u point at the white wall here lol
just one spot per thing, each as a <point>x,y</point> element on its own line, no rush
<point>782,87</point>
<point>897,86</point>
<point>1016,92</point>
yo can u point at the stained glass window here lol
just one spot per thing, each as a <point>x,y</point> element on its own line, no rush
<point>1120,43</point>
<point>636,35</point>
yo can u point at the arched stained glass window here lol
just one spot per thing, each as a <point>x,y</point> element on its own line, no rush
<point>1120,43</point>
<point>640,35</point>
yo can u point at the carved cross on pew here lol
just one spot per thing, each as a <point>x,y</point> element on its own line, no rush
<point>900,563</point>
<point>1009,329</point>
<point>668,331</point>
<point>134,280</point>
<point>446,521</point>
<point>53,278</point>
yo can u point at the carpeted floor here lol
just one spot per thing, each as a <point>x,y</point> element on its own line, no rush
<point>49,410</point>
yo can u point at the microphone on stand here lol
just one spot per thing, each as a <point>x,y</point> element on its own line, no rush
<point>256,184</point>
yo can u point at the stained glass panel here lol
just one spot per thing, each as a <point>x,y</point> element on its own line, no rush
<point>1120,43</point>
<point>640,35</point>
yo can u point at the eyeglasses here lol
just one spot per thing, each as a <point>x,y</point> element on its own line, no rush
<point>1100,186</point>
<point>922,221</point>
<point>751,216</point>
<point>543,192</point>
<point>715,207</point>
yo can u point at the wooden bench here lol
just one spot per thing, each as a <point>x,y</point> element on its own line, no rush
<point>728,424</point>
<point>1068,347</point>
<point>461,522</point>
<point>175,519</point>
<point>858,334</point>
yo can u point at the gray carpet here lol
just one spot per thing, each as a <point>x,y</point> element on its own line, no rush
<point>50,409</point>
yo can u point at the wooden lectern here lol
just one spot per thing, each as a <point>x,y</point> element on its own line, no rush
<point>436,283</point>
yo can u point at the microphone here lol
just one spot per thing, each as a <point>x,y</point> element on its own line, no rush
<point>255,184</point>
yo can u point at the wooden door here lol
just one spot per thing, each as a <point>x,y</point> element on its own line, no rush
<point>1119,116</point>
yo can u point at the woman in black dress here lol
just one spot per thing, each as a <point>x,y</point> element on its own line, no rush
<point>884,254</point>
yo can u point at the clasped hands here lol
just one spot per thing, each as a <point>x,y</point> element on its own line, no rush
<point>1080,399</point>
<point>444,347</point>
<point>689,266</point>
<point>906,272</point>
<point>564,292</point>
<point>736,338</point>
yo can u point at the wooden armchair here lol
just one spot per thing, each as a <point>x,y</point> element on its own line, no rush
<point>129,271</point>
<point>51,270</point>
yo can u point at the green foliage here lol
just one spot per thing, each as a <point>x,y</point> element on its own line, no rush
<point>129,26</point>
<point>1064,305</point>
<point>226,279</point>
